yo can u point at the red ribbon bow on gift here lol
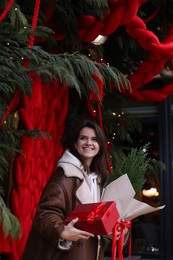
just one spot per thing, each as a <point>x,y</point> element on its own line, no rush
<point>96,211</point>
<point>123,225</point>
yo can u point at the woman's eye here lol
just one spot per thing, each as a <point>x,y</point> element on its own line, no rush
<point>82,138</point>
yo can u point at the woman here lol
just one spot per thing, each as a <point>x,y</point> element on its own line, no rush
<point>79,178</point>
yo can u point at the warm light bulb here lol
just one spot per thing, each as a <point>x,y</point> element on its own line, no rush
<point>152,192</point>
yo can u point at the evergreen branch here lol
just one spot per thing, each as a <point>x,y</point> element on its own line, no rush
<point>74,70</point>
<point>113,75</point>
<point>135,164</point>
<point>84,70</point>
<point>5,89</point>
<point>8,221</point>
<point>16,17</point>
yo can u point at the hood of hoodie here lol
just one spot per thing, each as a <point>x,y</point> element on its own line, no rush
<point>89,191</point>
<point>71,165</point>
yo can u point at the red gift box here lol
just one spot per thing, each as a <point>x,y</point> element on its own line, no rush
<point>96,218</point>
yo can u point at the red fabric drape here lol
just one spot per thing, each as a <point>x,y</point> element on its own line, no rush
<point>46,109</point>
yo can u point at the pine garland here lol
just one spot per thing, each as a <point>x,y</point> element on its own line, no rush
<point>9,222</point>
<point>135,164</point>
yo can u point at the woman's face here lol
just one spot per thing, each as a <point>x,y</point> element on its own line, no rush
<point>87,144</point>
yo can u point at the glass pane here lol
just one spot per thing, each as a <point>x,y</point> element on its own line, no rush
<point>146,228</point>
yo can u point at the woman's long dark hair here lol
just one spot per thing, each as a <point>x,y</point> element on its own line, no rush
<point>99,162</point>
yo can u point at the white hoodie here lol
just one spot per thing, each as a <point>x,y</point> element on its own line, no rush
<point>89,191</point>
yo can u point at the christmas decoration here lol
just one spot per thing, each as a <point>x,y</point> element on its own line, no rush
<point>48,62</point>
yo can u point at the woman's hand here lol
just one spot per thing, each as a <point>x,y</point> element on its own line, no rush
<point>74,234</point>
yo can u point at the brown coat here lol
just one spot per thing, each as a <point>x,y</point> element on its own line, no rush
<point>58,199</point>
